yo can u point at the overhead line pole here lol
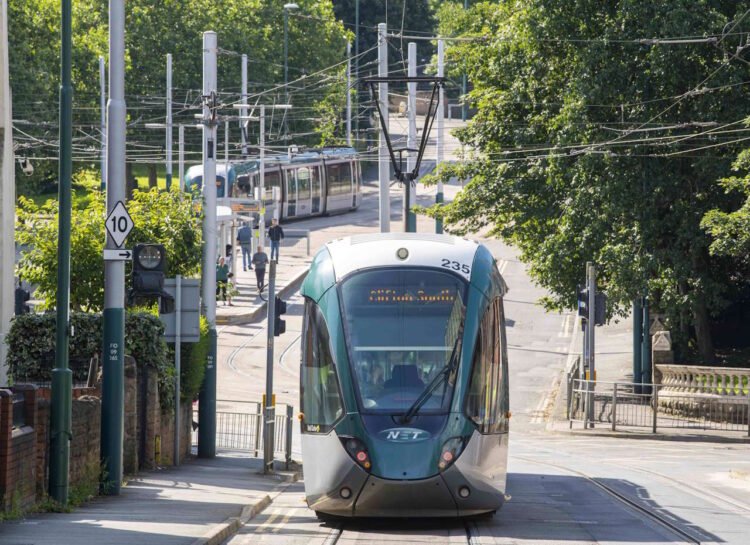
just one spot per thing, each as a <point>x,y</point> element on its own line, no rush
<point>262,174</point>
<point>181,155</point>
<point>169,121</point>
<point>439,140</point>
<point>61,406</point>
<point>384,168</point>
<point>348,93</point>
<point>207,397</point>
<point>410,189</point>
<point>464,84</point>
<point>113,370</point>
<point>103,121</point>
<point>243,111</point>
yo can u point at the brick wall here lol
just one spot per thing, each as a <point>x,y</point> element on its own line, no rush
<point>84,448</point>
<point>18,461</point>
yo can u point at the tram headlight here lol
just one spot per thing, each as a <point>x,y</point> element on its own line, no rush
<point>358,451</point>
<point>451,450</point>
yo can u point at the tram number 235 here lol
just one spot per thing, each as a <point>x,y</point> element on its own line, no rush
<point>455,265</point>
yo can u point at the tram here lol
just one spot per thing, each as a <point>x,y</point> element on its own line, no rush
<point>404,378</point>
<point>312,183</point>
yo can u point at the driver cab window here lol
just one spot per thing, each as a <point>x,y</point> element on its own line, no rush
<point>321,403</point>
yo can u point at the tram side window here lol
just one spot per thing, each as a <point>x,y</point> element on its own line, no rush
<point>487,399</point>
<point>303,183</point>
<point>321,396</point>
<point>339,179</point>
<point>272,179</point>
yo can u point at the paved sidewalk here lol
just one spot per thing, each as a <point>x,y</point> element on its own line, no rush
<point>290,271</point>
<point>202,502</point>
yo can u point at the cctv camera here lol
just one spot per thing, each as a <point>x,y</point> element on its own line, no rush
<point>27,167</point>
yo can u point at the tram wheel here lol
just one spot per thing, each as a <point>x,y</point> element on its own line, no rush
<point>327,519</point>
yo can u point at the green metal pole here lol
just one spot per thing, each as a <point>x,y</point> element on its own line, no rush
<point>646,376</point>
<point>61,408</point>
<point>637,338</point>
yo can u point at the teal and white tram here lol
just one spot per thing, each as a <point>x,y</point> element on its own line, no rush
<point>404,378</point>
<point>312,183</point>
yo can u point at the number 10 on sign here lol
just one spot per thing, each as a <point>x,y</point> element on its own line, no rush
<point>119,224</point>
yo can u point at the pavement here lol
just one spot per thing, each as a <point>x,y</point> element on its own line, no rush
<point>294,262</point>
<point>202,502</point>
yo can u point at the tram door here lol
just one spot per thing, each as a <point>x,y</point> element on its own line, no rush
<point>315,183</point>
<point>291,193</point>
<point>304,191</point>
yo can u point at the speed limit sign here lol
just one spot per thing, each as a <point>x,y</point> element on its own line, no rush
<point>119,224</point>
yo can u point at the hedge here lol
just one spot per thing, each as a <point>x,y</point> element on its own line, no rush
<point>31,350</point>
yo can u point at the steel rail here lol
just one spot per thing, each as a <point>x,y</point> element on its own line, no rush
<point>622,498</point>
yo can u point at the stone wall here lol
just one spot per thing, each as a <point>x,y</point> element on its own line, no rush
<point>85,446</point>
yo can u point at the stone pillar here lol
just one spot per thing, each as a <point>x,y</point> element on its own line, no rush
<point>7,196</point>
<point>661,348</point>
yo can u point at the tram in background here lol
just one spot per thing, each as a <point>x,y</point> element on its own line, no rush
<point>312,183</point>
<point>404,378</point>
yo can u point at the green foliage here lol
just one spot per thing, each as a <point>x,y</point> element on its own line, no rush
<point>193,357</point>
<point>31,346</point>
<point>167,218</point>
<point>556,86</point>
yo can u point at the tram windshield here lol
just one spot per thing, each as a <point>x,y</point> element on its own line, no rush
<point>402,326</point>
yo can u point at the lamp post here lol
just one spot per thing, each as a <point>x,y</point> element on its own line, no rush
<point>287,8</point>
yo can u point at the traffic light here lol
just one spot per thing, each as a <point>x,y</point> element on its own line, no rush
<point>583,302</point>
<point>600,309</point>
<point>149,266</point>
<point>279,325</point>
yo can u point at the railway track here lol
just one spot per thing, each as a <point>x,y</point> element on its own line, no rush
<point>642,510</point>
<point>462,532</point>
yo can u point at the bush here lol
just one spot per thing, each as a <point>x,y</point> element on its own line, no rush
<point>31,347</point>
<point>193,364</point>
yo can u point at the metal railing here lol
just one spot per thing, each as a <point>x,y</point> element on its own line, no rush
<point>239,426</point>
<point>627,405</point>
<point>299,233</point>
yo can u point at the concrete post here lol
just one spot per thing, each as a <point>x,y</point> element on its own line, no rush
<point>440,141</point>
<point>262,181</point>
<point>103,120</point>
<point>243,111</point>
<point>169,121</point>
<point>384,166</point>
<point>7,196</point>
<point>113,353</point>
<point>410,218</point>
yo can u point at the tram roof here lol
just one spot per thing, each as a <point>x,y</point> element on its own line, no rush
<point>380,250</point>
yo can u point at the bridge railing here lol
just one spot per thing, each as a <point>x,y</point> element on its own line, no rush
<point>627,405</point>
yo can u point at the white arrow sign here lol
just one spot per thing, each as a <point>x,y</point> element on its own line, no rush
<point>118,255</point>
<point>119,224</point>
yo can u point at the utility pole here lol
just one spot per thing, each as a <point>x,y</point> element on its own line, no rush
<point>169,121</point>
<point>262,174</point>
<point>7,196</point>
<point>356,64</point>
<point>113,369</point>
<point>348,93</point>
<point>439,141</point>
<point>410,189</point>
<point>61,406</point>
<point>103,120</point>
<point>270,405</point>
<point>226,163</point>
<point>287,8</point>
<point>591,325</point>
<point>181,155</point>
<point>243,111</point>
<point>464,83</point>
<point>384,167</point>
<point>207,397</point>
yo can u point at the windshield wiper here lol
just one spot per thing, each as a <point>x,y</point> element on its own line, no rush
<point>439,378</point>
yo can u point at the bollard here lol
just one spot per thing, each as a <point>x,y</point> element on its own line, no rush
<point>614,407</point>
<point>655,401</point>
<point>289,429</point>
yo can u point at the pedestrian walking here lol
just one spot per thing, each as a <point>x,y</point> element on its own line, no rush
<point>230,275</point>
<point>260,259</point>
<point>276,235</point>
<point>222,277</point>
<point>245,238</point>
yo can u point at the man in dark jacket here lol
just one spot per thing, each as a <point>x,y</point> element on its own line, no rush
<point>276,235</point>
<point>245,238</point>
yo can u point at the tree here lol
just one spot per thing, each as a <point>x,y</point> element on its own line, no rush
<point>595,144</point>
<point>166,218</point>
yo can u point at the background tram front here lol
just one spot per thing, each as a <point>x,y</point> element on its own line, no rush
<point>404,391</point>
